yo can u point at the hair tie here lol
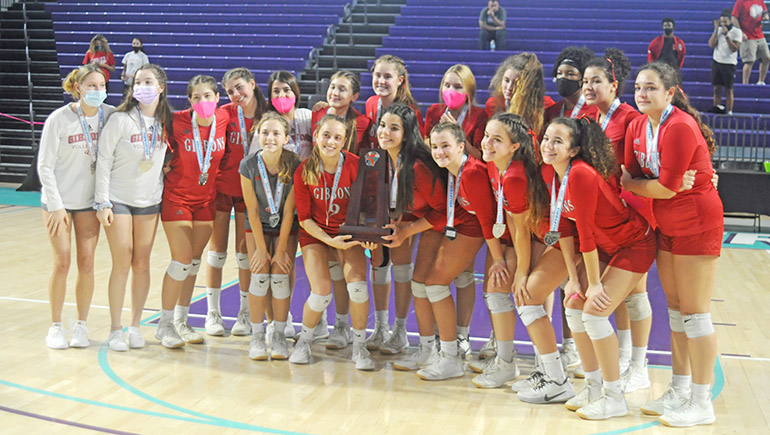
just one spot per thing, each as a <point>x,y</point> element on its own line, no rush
<point>612,65</point>
<point>680,90</point>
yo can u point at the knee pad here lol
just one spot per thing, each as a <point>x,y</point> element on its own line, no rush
<point>318,303</point>
<point>381,275</point>
<point>178,271</point>
<point>403,272</point>
<point>242,260</point>
<point>597,327</point>
<point>259,284</point>
<point>638,306</point>
<point>217,259</point>
<point>195,266</point>
<point>335,271</point>
<point>675,321</point>
<point>530,313</point>
<point>279,283</point>
<point>698,325</point>
<point>498,303</point>
<point>575,320</point>
<point>464,280</point>
<point>418,290</point>
<point>358,291</point>
<point>437,293</point>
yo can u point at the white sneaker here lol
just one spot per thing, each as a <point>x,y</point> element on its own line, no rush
<point>548,391</point>
<point>625,359</point>
<point>167,335</point>
<point>463,347</point>
<point>188,334</point>
<point>444,367</point>
<point>269,330</point>
<point>116,341</point>
<point>417,360</point>
<point>279,348</point>
<point>135,339</point>
<point>528,383</point>
<point>396,343</point>
<point>380,335</point>
<point>340,337</point>
<point>607,406</point>
<point>242,325</point>
<point>301,354</point>
<point>479,366</point>
<point>570,358</point>
<point>289,333</point>
<point>489,349</point>
<point>258,347</point>
<point>589,393</point>
<point>578,372</point>
<point>362,358</point>
<point>214,324</point>
<point>79,336</point>
<point>497,373</point>
<point>672,399</point>
<point>761,83</point>
<point>635,378</point>
<point>690,414</point>
<point>56,338</point>
<point>321,330</point>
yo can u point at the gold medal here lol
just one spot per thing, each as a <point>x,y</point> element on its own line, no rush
<point>145,165</point>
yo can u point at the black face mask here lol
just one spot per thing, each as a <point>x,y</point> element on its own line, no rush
<point>668,32</point>
<point>567,87</point>
<point>137,49</point>
<point>728,27</point>
<point>98,47</point>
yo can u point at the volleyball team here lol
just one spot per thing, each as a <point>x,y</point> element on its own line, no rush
<point>583,194</point>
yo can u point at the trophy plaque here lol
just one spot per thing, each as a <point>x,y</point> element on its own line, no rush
<point>368,206</point>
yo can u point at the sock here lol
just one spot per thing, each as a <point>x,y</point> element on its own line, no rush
<point>133,330</point>
<point>359,336</point>
<point>624,340</point>
<point>180,313</point>
<point>81,322</point>
<point>538,360</point>
<point>341,318</point>
<point>681,382</point>
<point>59,324</point>
<point>165,316</point>
<point>244,301</point>
<point>449,347</point>
<point>700,392</point>
<point>400,322</point>
<point>427,340</point>
<point>505,350</point>
<point>325,315</point>
<point>279,326</point>
<point>568,343</point>
<point>612,386</point>
<point>552,366</point>
<point>594,376</point>
<point>306,334</point>
<point>638,354</point>
<point>257,327</point>
<point>212,298</point>
<point>462,331</point>
<point>381,317</point>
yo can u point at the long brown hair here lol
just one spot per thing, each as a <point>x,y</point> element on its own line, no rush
<point>164,112</point>
<point>103,40</point>
<point>288,161</point>
<point>245,74</point>
<point>528,96</point>
<point>311,173</point>
<point>403,93</point>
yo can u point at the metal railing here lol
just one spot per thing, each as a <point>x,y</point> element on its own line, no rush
<point>5,4</point>
<point>29,77</point>
<point>742,140</point>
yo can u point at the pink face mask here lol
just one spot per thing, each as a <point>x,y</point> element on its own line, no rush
<point>453,99</point>
<point>205,109</point>
<point>284,104</point>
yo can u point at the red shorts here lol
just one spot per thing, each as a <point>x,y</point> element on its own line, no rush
<point>470,230</point>
<point>637,258</point>
<point>171,211</point>
<point>226,203</point>
<point>706,243</point>
<point>306,239</point>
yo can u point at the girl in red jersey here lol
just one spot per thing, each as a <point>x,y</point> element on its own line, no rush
<point>267,178</point>
<point>197,142</point>
<point>99,53</point>
<point>457,96</point>
<point>344,87</point>
<point>568,74</point>
<point>283,96</point>
<point>247,104</point>
<point>660,147</point>
<point>129,188</point>
<point>322,191</point>
<point>506,82</point>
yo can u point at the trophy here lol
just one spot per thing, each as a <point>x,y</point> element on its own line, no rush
<point>368,206</point>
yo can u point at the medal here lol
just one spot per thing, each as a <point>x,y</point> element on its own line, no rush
<point>498,230</point>
<point>451,195</point>
<point>203,162</point>
<point>450,232</point>
<point>149,148</point>
<point>274,219</point>
<point>273,203</point>
<point>93,168</point>
<point>145,165</point>
<point>203,178</point>
<point>552,236</point>
<point>87,135</point>
<point>652,160</point>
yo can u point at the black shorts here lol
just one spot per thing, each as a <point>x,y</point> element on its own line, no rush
<point>722,74</point>
<point>118,208</point>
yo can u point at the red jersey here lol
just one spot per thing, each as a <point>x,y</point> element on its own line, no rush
<point>313,200</point>
<point>100,57</point>
<point>363,125</point>
<point>371,113</point>
<point>475,198</point>
<point>429,197</point>
<point>181,182</point>
<point>514,187</point>
<point>681,147</point>
<point>473,125</point>
<point>497,105</point>
<point>556,110</point>
<point>616,128</point>
<point>229,180</point>
<point>566,227</point>
<point>749,14</point>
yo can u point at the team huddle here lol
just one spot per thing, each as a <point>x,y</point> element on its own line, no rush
<point>583,194</point>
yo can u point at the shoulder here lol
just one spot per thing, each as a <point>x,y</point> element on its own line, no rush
<point>351,160</point>
<point>582,172</point>
<point>475,169</point>
<point>372,101</point>
<point>248,163</point>
<point>638,122</point>
<point>628,112</point>
<point>478,113</point>
<point>108,109</point>
<point>435,110</point>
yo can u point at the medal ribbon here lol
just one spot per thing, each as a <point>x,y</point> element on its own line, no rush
<point>337,174</point>
<point>613,107</point>
<point>451,193</point>
<point>575,110</point>
<point>87,132</point>
<point>556,204</point>
<point>461,118</point>
<point>394,183</point>
<point>149,150</point>
<point>244,134</point>
<point>272,203</point>
<point>204,164</point>
<point>652,159</point>
<point>500,198</point>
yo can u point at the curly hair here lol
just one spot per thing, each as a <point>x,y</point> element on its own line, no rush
<point>579,57</point>
<point>615,66</point>
<point>595,148</point>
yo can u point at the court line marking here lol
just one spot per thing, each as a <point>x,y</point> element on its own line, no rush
<point>62,421</point>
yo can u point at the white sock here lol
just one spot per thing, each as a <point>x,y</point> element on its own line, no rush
<point>638,354</point>
<point>681,382</point>
<point>257,327</point>
<point>212,298</point>
<point>341,318</point>
<point>279,326</point>
<point>428,340</point>
<point>624,340</point>
<point>81,322</point>
<point>381,317</point>
<point>133,330</point>
<point>700,392</point>
<point>552,366</point>
<point>505,350</point>
<point>359,336</point>
<point>538,360</point>
<point>463,331</point>
<point>244,301</point>
<point>612,386</point>
<point>180,313</point>
<point>59,324</point>
<point>306,334</point>
<point>165,316</point>
<point>594,376</point>
<point>568,342</point>
<point>400,323</point>
<point>449,347</point>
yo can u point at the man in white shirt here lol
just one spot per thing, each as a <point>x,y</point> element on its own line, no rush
<point>726,40</point>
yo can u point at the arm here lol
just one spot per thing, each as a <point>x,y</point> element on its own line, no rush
<point>109,64</point>
<point>402,232</point>
<point>522,244</point>
<point>567,245</point>
<point>733,44</point>
<point>643,187</point>
<point>682,53</point>
<point>651,57</point>
<point>500,23</point>
<point>595,291</point>
<point>46,164</point>
<point>261,256</point>
<point>108,139</point>
<point>714,38</point>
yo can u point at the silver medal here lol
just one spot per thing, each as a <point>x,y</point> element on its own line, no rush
<point>551,237</point>
<point>204,177</point>
<point>274,219</point>
<point>498,230</point>
<point>450,233</point>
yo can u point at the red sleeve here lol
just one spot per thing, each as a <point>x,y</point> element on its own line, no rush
<point>584,193</point>
<point>302,195</point>
<point>87,58</point>
<point>483,200</point>
<point>515,192</point>
<point>490,107</point>
<point>371,108</point>
<point>650,58</point>
<point>736,9</point>
<point>420,119</point>
<point>431,118</point>
<point>363,124</point>
<point>633,134</point>
<point>110,59</point>
<point>547,102</point>
<point>317,115</point>
<point>676,154</point>
<point>682,52</point>
<point>433,194</point>
<point>478,127</point>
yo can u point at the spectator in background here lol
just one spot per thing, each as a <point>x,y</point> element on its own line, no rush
<point>748,15</point>
<point>667,47</point>
<point>492,23</point>
<point>99,53</point>
<point>131,63</point>
<point>725,41</point>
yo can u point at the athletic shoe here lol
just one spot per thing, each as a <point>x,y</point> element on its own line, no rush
<point>188,334</point>
<point>480,366</point>
<point>548,391</point>
<point>672,399</point>
<point>289,333</point>
<point>321,330</point>
<point>341,336</point>
<point>79,336</point>
<point>489,349</point>
<point>56,338</point>
<point>269,330</point>
<point>570,358</point>
<point>214,324</point>
<point>242,325</point>
<point>116,341</point>
<point>301,354</point>
<point>135,339</point>
<point>625,359</point>
<point>396,343</point>
<point>257,347</point>
<point>362,358</point>
<point>528,383</point>
<point>380,335</point>
<point>578,373</point>
<point>442,368</point>
<point>589,393</point>
<point>279,348</point>
<point>635,378</point>
<point>463,347</point>
<point>607,406</point>
<point>690,414</point>
<point>761,83</point>
<point>417,360</point>
<point>497,373</point>
<point>167,335</point>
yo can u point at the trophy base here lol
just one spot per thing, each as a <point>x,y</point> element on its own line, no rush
<point>365,234</point>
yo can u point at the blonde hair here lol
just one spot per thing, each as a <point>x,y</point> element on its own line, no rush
<point>466,76</point>
<point>527,99</point>
<point>289,161</point>
<point>78,76</point>
<point>311,173</point>
<point>403,93</point>
<point>97,38</point>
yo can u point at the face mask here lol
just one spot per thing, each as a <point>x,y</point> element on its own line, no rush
<point>668,32</point>
<point>98,47</point>
<point>146,94</point>
<point>136,49</point>
<point>728,27</point>
<point>567,87</point>
<point>95,98</point>
<point>205,109</point>
<point>284,104</point>
<point>453,99</point>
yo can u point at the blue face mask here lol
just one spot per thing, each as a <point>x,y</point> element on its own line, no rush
<point>95,98</point>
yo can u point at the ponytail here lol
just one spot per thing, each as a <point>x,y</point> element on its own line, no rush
<point>528,97</point>
<point>77,76</point>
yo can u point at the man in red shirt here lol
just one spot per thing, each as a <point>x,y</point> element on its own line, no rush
<point>667,47</point>
<point>748,16</point>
